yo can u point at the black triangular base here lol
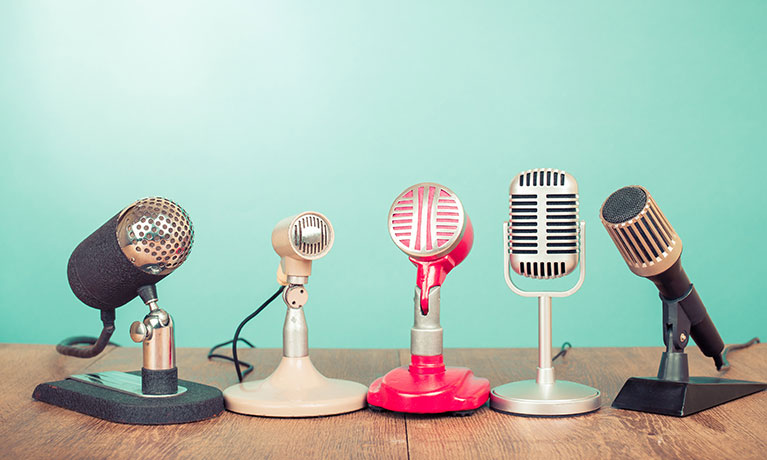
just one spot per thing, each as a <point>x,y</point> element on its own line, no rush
<point>681,398</point>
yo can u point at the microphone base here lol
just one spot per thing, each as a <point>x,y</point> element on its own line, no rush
<point>198,402</point>
<point>681,398</point>
<point>295,389</point>
<point>428,387</point>
<point>560,398</point>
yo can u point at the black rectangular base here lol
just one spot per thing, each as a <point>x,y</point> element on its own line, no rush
<point>199,402</point>
<point>681,398</point>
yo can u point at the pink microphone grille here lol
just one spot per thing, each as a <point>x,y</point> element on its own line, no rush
<point>427,219</point>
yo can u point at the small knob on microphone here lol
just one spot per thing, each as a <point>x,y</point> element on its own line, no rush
<point>140,331</point>
<point>295,296</point>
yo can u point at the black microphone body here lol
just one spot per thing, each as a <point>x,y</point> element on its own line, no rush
<point>673,284</point>
<point>100,274</point>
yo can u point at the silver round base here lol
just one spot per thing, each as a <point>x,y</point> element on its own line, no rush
<point>559,398</point>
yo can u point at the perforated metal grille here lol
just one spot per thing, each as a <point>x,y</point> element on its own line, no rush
<point>155,234</point>
<point>624,204</point>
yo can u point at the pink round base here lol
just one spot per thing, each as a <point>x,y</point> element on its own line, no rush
<point>428,387</point>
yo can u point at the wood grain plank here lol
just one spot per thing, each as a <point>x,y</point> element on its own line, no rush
<point>733,430</point>
<point>363,434</point>
<point>736,430</point>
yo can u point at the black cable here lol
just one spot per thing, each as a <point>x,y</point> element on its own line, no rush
<point>212,354</point>
<point>562,351</point>
<point>739,346</point>
<point>69,346</point>
<point>242,324</point>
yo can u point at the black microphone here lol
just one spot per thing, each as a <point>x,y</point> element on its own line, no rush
<point>123,258</point>
<point>135,249</point>
<point>652,249</point>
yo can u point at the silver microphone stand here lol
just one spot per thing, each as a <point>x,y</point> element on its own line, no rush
<point>545,395</point>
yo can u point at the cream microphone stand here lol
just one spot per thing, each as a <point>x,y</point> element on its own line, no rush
<point>545,395</point>
<point>296,388</point>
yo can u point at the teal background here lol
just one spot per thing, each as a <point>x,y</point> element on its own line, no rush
<point>247,112</point>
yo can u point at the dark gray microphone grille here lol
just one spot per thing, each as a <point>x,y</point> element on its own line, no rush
<point>624,205</point>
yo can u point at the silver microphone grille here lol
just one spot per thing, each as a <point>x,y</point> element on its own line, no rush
<point>311,235</point>
<point>155,234</point>
<point>426,220</point>
<point>543,223</point>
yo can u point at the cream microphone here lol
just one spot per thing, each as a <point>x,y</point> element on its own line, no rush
<point>544,240</point>
<point>299,240</point>
<point>296,388</point>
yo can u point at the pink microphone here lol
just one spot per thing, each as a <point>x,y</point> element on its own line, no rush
<point>428,223</point>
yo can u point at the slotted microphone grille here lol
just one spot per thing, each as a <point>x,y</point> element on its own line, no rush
<point>311,235</point>
<point>543,223</point>
<point>426,220</point>
<point>155,234</point>
<point>643,236</point>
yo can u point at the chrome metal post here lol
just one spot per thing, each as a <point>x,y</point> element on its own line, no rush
<point>295,332</point>
<point>545,373</point>
<point>426,333</point>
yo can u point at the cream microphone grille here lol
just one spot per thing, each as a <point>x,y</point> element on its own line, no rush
<point>311,235</point>
<point>426,220</point>
<point>155,234</point>
<point>543,223</point>
<point>643,235</point>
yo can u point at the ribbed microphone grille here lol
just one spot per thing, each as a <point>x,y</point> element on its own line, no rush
<point>543,223</point>
<point>155,234</point>
<point>643,235</point>
<point>312,236</point>
<point>426,219</point>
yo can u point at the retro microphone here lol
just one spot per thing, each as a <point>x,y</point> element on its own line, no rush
<point>544,240</point>
<point>124,258</point>
<point>428,223</point>
<point>652,249</point>
<point>296,388</point>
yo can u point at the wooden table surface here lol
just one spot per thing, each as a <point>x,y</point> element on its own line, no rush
<point>31,429</point>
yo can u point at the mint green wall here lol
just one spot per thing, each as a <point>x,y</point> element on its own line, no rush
<point>246,113</point>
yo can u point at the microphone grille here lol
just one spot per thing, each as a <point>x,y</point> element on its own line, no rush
<point>311,235</point>
<point>543,227</point>
<point>426,220</point>
<point>155,234</point>
<point>640,231</point>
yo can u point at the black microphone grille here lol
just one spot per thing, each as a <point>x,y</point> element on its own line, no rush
<point>624,205</point>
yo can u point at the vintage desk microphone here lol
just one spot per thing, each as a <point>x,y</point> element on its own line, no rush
<point>427,222</point>
<point>652,249</point>
<point>126,257</point>
<point>544,240</point>
<point>296,388</point>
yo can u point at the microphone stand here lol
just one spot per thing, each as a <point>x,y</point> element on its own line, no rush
<point>151,396</point>
<point>673,391</point>
<point>545,395</point>
<point>296,388</point>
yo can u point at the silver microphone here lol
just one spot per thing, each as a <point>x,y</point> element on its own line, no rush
<point>544,240</point>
